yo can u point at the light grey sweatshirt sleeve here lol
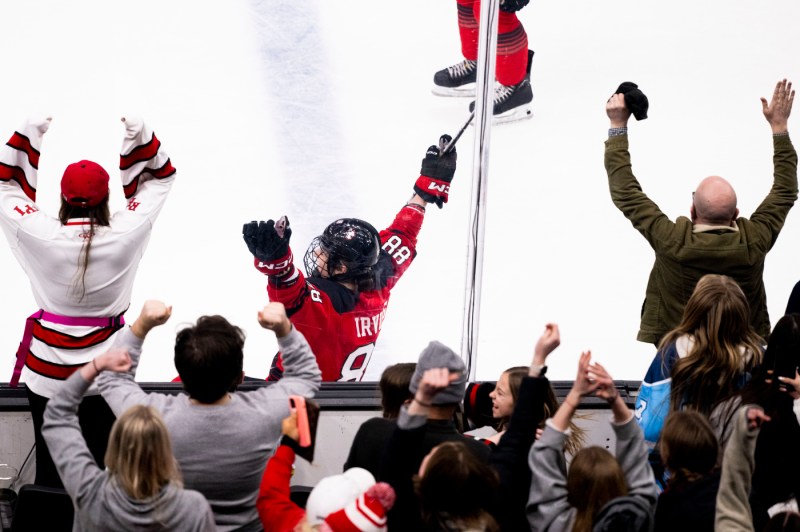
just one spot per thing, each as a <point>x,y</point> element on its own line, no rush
<point>62,432</point>
<point>301,375</point>
<point>548,509</point>
<point>120,390</point>
<point>632,457</point>
<point>733,506</point>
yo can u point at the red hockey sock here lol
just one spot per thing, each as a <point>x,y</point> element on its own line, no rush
<point>512,50</point>
<point>468,28</point>
<point>512,41</point>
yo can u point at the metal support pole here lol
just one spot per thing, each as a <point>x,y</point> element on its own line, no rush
<point>487,46</point>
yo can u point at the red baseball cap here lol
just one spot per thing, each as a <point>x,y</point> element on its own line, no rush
<point>85,184</point>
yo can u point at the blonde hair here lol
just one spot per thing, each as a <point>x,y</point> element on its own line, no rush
<point>594,478</point>
<point>139,455</point>
<point>717,317</point>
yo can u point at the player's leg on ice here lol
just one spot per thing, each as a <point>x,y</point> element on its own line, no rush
<point>513,93</point>
<point>459,79</point>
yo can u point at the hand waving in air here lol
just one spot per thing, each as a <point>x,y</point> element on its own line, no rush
<point>777,111</point>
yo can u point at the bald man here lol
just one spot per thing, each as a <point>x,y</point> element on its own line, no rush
<point>715,239</point>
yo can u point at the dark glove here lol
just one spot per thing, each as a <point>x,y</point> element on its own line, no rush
<point>268,241</point>
<point>512,6</point>
<point>433,184</point>
<point>635,100</point>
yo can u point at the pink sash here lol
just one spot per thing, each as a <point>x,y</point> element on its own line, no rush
<point>27,336</point>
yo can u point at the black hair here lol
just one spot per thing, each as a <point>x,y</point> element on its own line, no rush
<point>209,358</point>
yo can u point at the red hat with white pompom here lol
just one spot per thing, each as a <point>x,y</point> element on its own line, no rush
<point>365,514</point>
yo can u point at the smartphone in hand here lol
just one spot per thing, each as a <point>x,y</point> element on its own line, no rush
<point>307,417</point>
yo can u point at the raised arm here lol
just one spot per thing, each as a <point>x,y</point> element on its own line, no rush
<point>268,242</point>
<point>548,507</point>
<point>436,174</point>
<point>510,457</point>
<point>779,108</point>
<point>301,373</point>
<point>120,389</point>
<point>62,432</point>
<point>19,161</point>
<point>581,387</point>
<point>626,192</point>
<point>733,506</point>
<point>399,240</point>
<point>771,213</point>
<point>147,175</point>
<point>631,450</point>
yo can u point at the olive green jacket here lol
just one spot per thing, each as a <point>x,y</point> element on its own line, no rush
<point>685,252</point>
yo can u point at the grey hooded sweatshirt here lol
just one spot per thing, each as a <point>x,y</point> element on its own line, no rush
<point>100,503</point>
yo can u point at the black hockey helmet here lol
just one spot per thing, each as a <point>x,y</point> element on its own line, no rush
<point>348,242</point>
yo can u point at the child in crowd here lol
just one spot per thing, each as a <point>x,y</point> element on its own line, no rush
<point>349,502</point>
<point>599,492</point>
<point>689,450</point>
<point>704,360</point>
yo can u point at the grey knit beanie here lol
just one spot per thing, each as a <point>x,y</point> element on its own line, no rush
<point>438,355</point>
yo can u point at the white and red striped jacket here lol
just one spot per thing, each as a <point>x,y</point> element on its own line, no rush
<point>49,252</point>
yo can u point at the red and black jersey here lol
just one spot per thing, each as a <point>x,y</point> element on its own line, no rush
<point>342,326</point>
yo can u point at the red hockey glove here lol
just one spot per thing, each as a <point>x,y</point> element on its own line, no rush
<point>433,184</point>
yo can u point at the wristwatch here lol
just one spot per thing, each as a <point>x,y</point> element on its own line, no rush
<point>539,370</point>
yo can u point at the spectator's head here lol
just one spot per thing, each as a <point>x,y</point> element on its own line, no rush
<point>594,478</point>
<point>720,345</point>
<point>209,358</point>
<point>453,483</point>
<point>688,446</point>
<point>139,454</point>
<point>714,202</point>
<point>349,502</point>
<point>504,399</point>
<point>506,391</point>
<point>394,383</point>
<point>438,355</point>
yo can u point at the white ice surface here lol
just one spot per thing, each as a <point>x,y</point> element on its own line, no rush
<point>320,109</point>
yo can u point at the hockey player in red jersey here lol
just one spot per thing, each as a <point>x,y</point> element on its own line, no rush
<point>351,269</point>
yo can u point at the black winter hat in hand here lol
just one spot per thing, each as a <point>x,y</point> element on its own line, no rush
<point>635,100</point>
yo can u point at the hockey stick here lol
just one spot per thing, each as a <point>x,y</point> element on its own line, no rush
<point>452,143</point>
